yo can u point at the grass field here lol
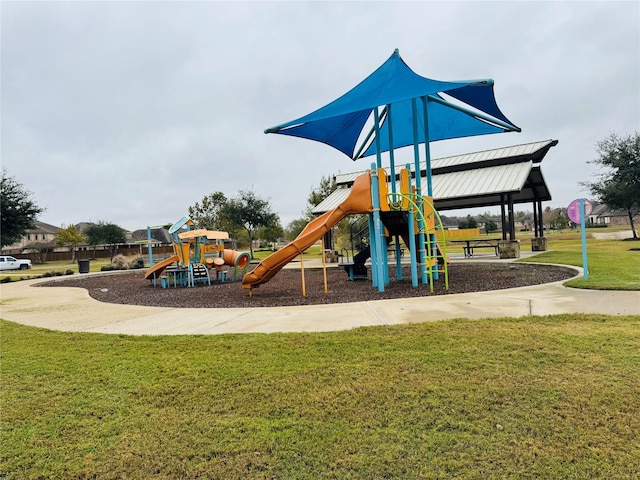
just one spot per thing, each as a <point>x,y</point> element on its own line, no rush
<point>611,263</point>
<point>538,397</point>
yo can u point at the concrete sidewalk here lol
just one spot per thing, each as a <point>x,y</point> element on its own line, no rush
<point>72,309</point>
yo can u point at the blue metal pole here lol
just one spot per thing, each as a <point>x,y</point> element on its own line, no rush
<point>376,240</point>
<point>416,160</point>
<point>372,251</point>
<point>585,266</point>
<point>398,258</point>
<point>427,156</point>
<point>383,267</point>
<point>376,126</point>
<point>392,160</point>
<point>392,175</point>
<point>412,239</point>
<point>385,259</point>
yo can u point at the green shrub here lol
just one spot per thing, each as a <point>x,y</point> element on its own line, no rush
<point>69,272</point>
<point>135,262</point>
<point>120,262</point>
<point>107,268</point>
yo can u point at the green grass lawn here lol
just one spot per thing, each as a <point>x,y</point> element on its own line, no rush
<point>611,263</point>
<point>313,252</point>
<point>537,397</point>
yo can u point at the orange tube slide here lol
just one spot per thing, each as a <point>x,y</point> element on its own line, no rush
<point>233,256</point>
<point>358,201</point>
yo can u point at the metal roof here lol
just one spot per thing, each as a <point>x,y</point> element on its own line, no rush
<point>485,187</point>
<point>338,196</point>
<point>534,152</point>
<point>475,179</point>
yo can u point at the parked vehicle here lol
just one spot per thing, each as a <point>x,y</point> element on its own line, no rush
<point>12,263</point>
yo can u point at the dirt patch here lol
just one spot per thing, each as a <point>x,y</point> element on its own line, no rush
<point>286,287</point>
<point>622,235</point>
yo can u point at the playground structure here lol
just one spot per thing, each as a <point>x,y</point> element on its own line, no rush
<point>199,256</point>
<point>397,215</point>
<point>402,109</point>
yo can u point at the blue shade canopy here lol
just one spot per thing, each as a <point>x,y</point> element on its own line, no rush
<point>340,123</point>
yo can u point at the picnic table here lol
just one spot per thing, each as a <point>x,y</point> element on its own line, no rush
<point>471,244</point>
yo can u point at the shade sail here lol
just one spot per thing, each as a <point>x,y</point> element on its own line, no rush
<point>455,109</point>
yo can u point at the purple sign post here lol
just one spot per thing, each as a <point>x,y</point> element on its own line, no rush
<point>577,211</point>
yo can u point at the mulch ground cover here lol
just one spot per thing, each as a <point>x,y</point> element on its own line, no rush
<point>285,288</point>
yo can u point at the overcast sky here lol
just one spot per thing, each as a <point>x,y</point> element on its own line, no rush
<point>129,112</point>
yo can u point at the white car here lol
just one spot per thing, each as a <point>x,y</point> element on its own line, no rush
<point>12,263</point>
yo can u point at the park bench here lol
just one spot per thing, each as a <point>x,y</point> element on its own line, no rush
<point>471,245</point>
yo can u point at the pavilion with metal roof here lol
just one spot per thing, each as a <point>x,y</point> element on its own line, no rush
<point>499,177</point>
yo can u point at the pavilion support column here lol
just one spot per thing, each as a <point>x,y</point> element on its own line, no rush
<point>539,242</point>
<point>509,248</point>
<point>535,219</point>
<point>503,218</point>
<point>541,218</point>
<point>512,219</point>
<point>330,254</point>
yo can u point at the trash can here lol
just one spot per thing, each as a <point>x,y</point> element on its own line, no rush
<point>83,266</point>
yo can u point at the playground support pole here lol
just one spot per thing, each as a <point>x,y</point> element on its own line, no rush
<point>372,251</point>
<point>427,147</point>
<point>392,176</point>
<point>385,259</point>
<point>376,126</point>
<point>398,259</point>
<point>304,287</point>
<point>392,160</point>
<point>416,160</point>
<point>412,239</point>
<point>324,268</point>
<point>585,266</point>
<point>376,239</point>
<point>378,264</point>
<point>427,156</point>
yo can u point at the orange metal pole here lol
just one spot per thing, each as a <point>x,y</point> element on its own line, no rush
<point>324,268</point>
<point>304,288</point>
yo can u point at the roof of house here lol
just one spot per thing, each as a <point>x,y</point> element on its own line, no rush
<point>42,227</point>
<point>158,235</point>
<point>603,210</point>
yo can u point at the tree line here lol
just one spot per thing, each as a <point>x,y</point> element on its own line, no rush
<point>245,216</point>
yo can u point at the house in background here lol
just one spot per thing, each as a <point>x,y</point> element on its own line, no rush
<point>159,236</point>
<point>43,235</point>
<point>603,215</point>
